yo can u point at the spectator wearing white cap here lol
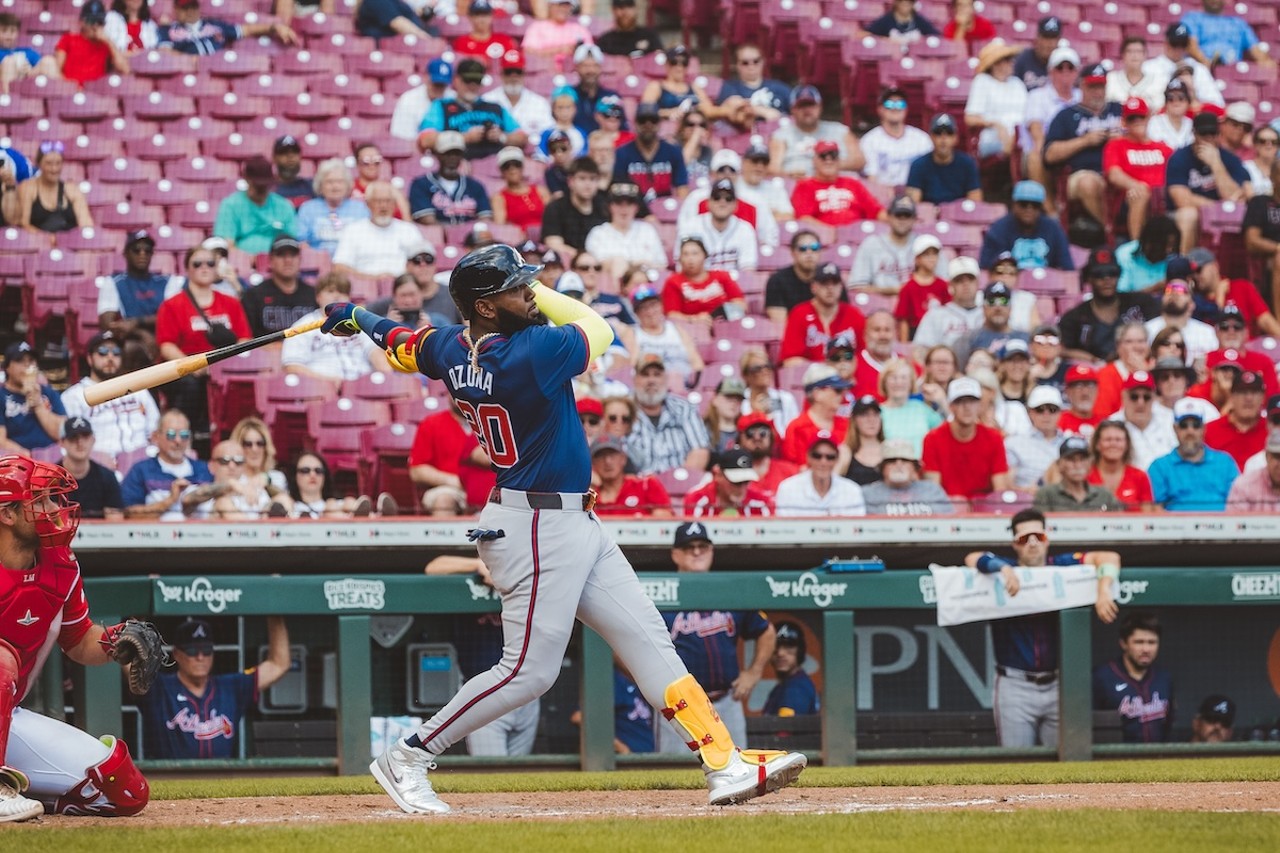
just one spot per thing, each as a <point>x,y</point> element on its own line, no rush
<point>1192,477</point>
<point>892,145</point>
<point>752,205</point>
<point>817,491</point>
<point>1258,490</point>
<point>963,456</point>
<point>1236,126</point>
<point>901,491</point>
<point>730,241</point>
<point>1031,453</point>
<point>379,244</point>
<point>949,323</point>
<point>1133,79</point>
<point>558,34</point>
<point>1045,102</point>
<point>924,290</point>
<point>518,201</point>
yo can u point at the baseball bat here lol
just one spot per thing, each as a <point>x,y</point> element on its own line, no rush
<point>168,371</point>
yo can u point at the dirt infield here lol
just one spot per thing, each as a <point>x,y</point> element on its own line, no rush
<point>565,806</point>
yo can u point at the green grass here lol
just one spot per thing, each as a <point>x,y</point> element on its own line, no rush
<point>892,832</point>
<point>1228,769</point>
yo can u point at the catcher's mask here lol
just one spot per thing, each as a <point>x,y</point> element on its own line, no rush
<point>41,489</point>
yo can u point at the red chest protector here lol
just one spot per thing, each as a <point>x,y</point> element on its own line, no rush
<point>40,606</point>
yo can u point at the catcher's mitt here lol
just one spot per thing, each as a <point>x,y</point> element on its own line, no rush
<point>139,649</point>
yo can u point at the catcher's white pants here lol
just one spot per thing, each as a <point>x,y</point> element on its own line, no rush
<point>730,710</point>
<point>53,754</point>
<point>550,566</point>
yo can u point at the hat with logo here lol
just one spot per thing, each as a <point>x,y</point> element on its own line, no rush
<point>93,12</point>
<point>587,51</point>
<point>607,445</point>
<point>76,427</point>
<point>1228,359</point>
<point>440,71</point>
<point>194,632</point>
<point>1013,348</point>
<point>819,375</point>
<point>997,290</point>
<point>1135,106</point>
<point>726,158</point>
<point>590,406</point>
<point>287,143</point>
<point>845,341</point>
<point>1178,34</point>
<point>551,259</point>
<point>1032,191</point>
<point>902,205</point>
<point>1176,87</point>
<point>829,271</point>
<point>1205,123</point>
<point>731,386</point>
<point>1139,379</point>
<point>480,7</point>
<point>1073,445</point>
<point>610,106</point>
<point>805,96</point>
<point>1062,55</point>
<point>101,338</point>
<point>722,186</point>
<point>450,140</point>
<point>1049,27</point>
<point>285,243</point>
<point>17,351</point>
<point>1080,373</point>
<point>737,467</point>
<point>924,243</point>
<point>571,282</point>
<point>644,294</point>
<point>866,403</point>
<point>1044,395</point>
<point>512,60</point>
<point>963,388</point>
<point>1242,112</point>
<point>942,123</point>
<point>1102,263</point>
<point>624,191</point>
<point>1218,709</point>
<point>1095,74</point>
<point>754,419</point>
<point>690,532</point>
<point>1179,266</point>
<point>1248,381</point>
<point>142,235</point>
<point>1230,313</point>
<point>962,265</point>
<point>898,448</point>
<point>1185,409</point>
<point>650,359</point>
<point>826,146</point>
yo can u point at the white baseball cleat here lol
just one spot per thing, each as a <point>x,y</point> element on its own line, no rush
<point>402,773</point>
<point>13,806</point>
<point>752,773</point>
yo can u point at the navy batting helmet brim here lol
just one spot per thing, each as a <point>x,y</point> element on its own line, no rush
<point>487,272</point>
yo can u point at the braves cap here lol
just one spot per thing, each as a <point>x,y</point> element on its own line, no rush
<point>16,351</point>
<point>1095,74</point>
<point>1230,313</point>
<point>1176,86</point>
<point>722,186</point>
<point>805,95</point>
<point>551,259</point>
<point>142,235</point>
<point>93,12</point>
<point>76,427</point>
<point>690,532</point>
<point>827,272</point>
<point>866,403</point>
<point>788,634</point>
<point>1218,709</point>
<point>194,632</point>
<point>1014,347</point>
<point>1080,373</point>
<point>902,204</point>
<point>287,143</point>
<point>1139,379</point>
<point>587,51</point>
<point>1177,35</point>
<point>997,290</point>
<point>942,123</point>
<point>819,375</point>
<point>845,341</point>
<point>1049,27</point>
<point>101,338</point>
<point>1073,445</point>
<point>480,7</point>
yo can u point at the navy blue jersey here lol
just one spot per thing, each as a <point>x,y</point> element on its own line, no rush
<point>632,716</point>
<point>520,402</point>
<point>1145,706</point>
<point>180,725</point>
<point>1185,169</point>
<point>707,642</point>
<point>1075,121</point>
<point>1030,643</point>
<point>793,696</point>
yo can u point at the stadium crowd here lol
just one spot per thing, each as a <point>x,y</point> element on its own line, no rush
<point>832,295</point>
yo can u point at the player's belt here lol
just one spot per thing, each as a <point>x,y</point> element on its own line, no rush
<point>544,500</point>
<point>1040,678</point>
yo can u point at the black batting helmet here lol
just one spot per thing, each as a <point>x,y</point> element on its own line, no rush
<point>791,634</point>
<point>486,272</point>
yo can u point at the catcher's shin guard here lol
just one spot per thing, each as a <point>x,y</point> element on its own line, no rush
<point>114,787</point>
<point>689,707</point>
<point>8,693</point>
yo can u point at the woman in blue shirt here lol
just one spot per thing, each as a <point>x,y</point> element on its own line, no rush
<point>321,219</point>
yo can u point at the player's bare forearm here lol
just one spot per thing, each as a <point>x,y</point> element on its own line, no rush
<point>278,659</point>
<point>89,651</point>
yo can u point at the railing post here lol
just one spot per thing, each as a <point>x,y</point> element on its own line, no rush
<point>355,695</point>
<point>1075,705</point>
<point>596,736</point>
<point>839,705</point>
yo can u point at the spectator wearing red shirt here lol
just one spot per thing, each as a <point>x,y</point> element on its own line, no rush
<point>759,438</point>
<point>481,41</point>
<point>1232,335</point>
<point>877,348</point>
<point>446,453</point>
<point>830,198</point>
<point>924,290</point>
<point>1112,451</point>
<point>695,292</point>
<point>1219,299</point>
<point>1081,415</point>
<point>89,54</point>
<point>963,456</point>
<point>1135,163</point>
<point>967,25</point>
<point>621,494</point>
<point>814,324</point>
<point>732,490</point>
<point>824,392</point>
<point>1242,432</point>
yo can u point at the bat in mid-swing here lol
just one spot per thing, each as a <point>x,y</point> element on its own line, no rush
<point>165,372</point>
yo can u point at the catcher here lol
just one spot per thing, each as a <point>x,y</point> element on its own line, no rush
<point>45,764</point>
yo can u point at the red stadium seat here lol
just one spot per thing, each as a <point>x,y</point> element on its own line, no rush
<point>83,107</point>
<point>233,383</point>
<point>336,426</point>
<point>384,463</point>
<point>385,387</point>
<point>162,63</point>
<point>283,401</point>
<point>201,170</point>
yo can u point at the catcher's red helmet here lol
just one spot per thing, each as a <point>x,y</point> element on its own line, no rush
<point>41,488</point>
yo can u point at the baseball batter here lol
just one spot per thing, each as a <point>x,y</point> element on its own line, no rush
<point>1026,647</point>
<point>45,764</point>
<point>548,554</point>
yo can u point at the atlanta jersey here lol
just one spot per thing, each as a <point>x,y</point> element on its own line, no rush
<point>41,606</point>
<point>707,642</point>
<point>1145,705</point>
<point>180,724</point>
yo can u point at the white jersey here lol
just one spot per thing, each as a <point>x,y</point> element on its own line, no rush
<point>532,112</point>
<point>121,425</point>
<point>640,244</point>
<point>766,226</point>
<point>667,344</point>
<point>1160,129</point>
<point>1200,337</point>
<point>889,158</point>
<point>882,263</point>
<point>797,496</point>
<point>339,358</point>
<point>947,324</point>
<point>734,248</point>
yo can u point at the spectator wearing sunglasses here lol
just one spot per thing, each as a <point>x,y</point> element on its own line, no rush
<point>817,491</point>
<point>1176,307</point>
<point>237,497</point>
<point>169,486</point>
<point>1232,336</point>
<point>192,713</point>
<point>750,91</point>
<point>1150,426</point>
<point>732,243</point>
<point>758,436</point>
<point>1193,477</point>
<point>892,146</point>
<point>1258,488</point>
<point>1073,492</point>
<point>995,332</point>
<point>122,425</point>
<point>1033,452</point>
<point>675,94</point>
<point>128,301</point>
<point>1027,647</point>
<point>1035,240</point>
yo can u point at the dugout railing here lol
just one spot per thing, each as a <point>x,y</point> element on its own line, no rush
<point>832,604</point>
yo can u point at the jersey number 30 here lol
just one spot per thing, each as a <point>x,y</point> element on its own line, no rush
<point>492,426</point>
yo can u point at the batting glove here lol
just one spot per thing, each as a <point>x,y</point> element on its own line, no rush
<point>341,319</point>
